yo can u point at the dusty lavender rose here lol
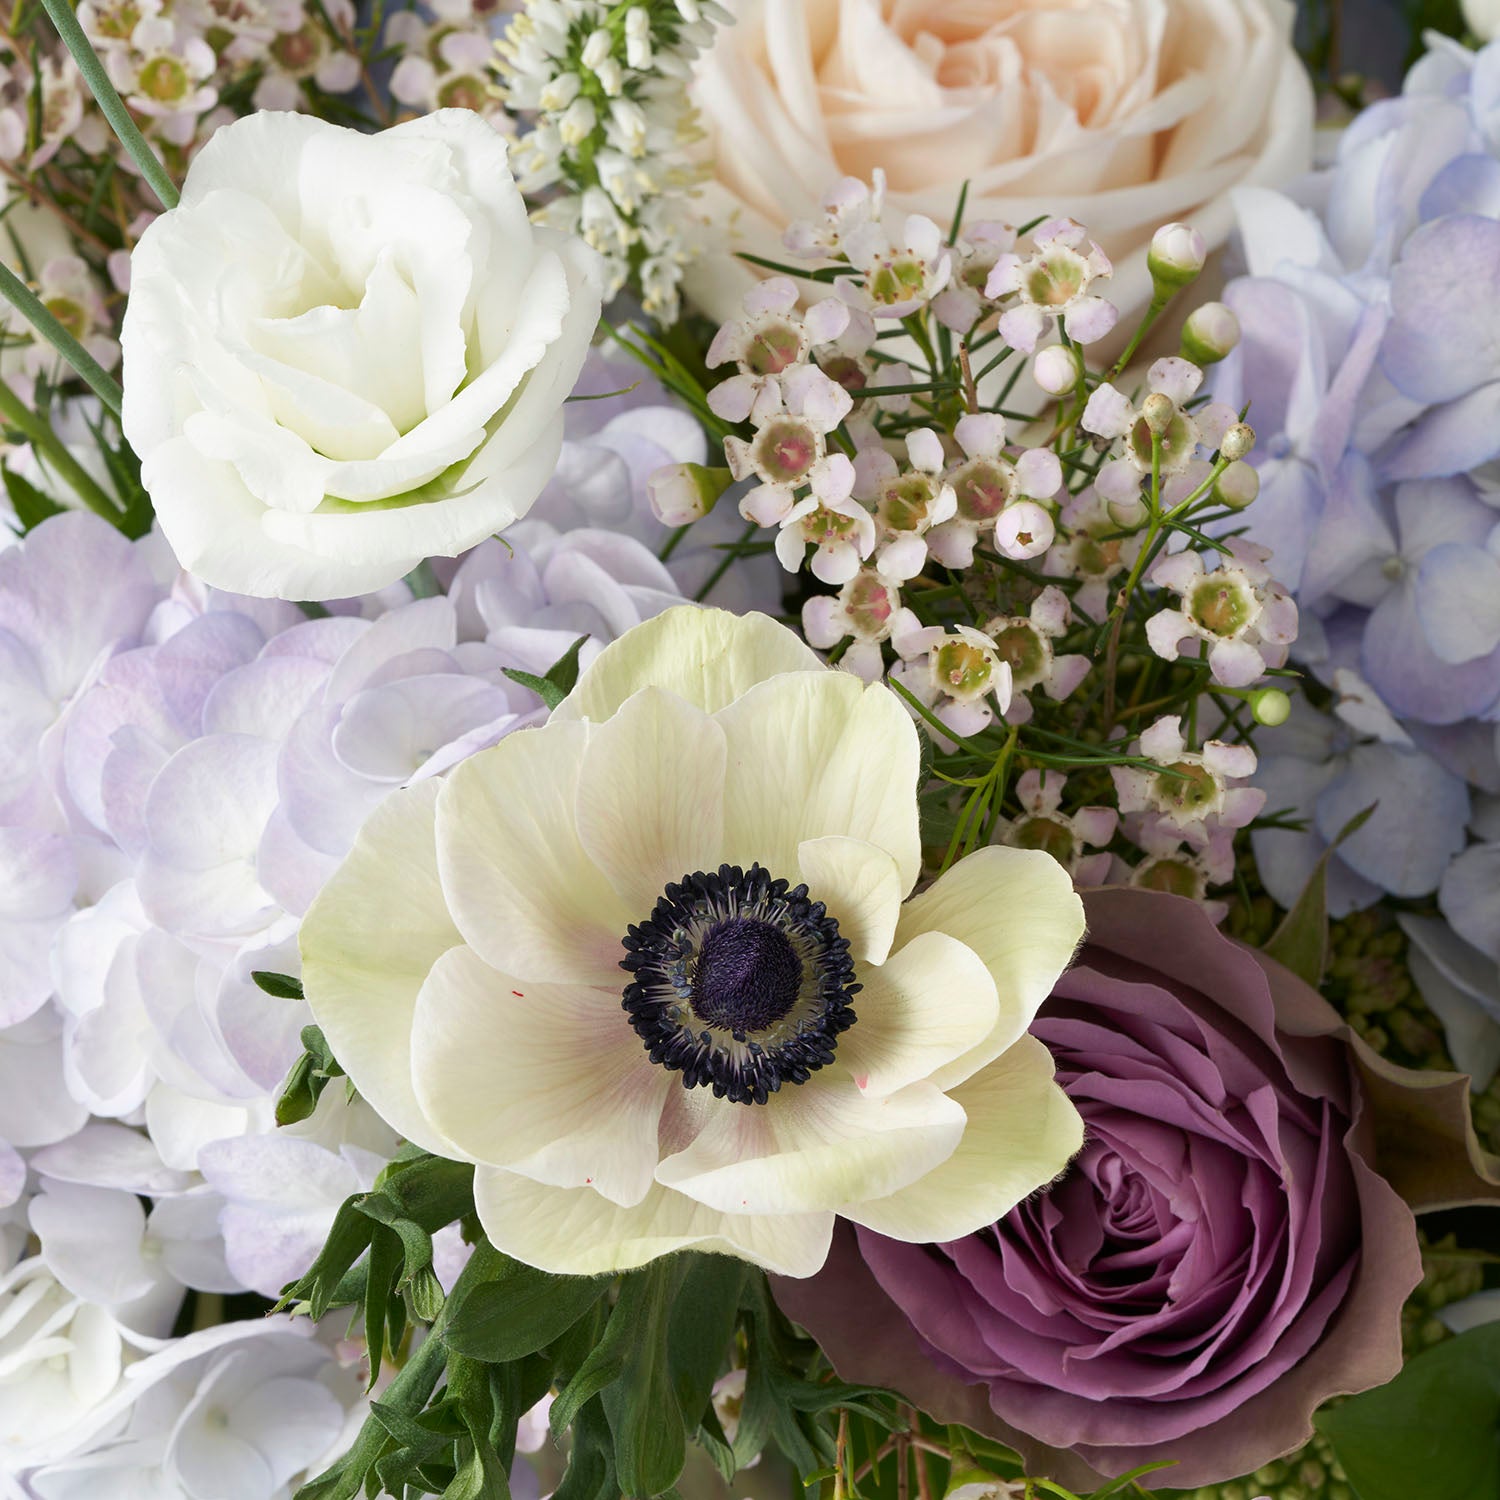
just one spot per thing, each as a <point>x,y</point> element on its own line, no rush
<point>1223,1256</point>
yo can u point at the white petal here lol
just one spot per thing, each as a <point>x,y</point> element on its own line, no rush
<point>932,1003</point>
<point>708,656</point>
<point>548,1080</point>
<point>1021,1133</point>
<point>861,887</point>
<point>368,943</point>
<point>1016,908</point>
<point>650,803</point>
<point>813,755</point>
<point>523,892</point>
<point>814,1146</point>
<point>575,1232</point>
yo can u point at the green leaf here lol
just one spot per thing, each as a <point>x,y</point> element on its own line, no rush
<point>309,1075</point>
<point>31,506</point>
<point>561,678</point>
<point>380,1304</point>
<point>282,986</point>
<point>1433,1432</point>
<point>519,1311</point>
<point>348,1239</point>
<point>650,1443</point>
<point>1300,943</point>
<point>704,1313</point>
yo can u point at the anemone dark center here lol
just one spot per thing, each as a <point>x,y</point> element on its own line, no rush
<point>740,982</point>
<point>748,976</point>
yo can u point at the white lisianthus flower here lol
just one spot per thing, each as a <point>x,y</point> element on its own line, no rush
<point>648,967</point>
<point>344,352</point>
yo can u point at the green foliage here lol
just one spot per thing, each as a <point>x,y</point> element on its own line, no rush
<point>560,678</point>
<point>1433,1432</point>
<point>308,1078</point>
<point>31,506</point>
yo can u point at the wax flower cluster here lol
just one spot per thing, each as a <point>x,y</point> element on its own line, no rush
<point>1043,557</point>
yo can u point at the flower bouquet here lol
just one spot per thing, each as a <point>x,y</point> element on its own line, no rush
<point>708,790</point>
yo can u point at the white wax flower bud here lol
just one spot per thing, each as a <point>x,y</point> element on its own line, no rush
<point>1238,441</point>
<point>1237,486</point>
<point>688,10</point>
<point>680,494</point>
<point>1057,370</point>
<point>1209,334</point>
<point>1176,257</point>
<point>596,49</point>
<point>1158,411</point>
<point>577,122</point>
<point>1270,706</point>
<point>558,93</point>
<point>611,76</point>
<point>1483,18</point>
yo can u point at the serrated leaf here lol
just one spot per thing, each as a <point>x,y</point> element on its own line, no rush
<point>519,1312</point>
<point>558,681</point>
<point>31,506</point>
<point>1433,1432</point>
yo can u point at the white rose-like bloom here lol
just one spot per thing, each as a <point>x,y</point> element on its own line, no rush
<point>344,353</point>
<point>1123,114</point>
<point>465,963</point>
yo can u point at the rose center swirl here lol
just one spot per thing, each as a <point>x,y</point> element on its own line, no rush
<point>740,982</point>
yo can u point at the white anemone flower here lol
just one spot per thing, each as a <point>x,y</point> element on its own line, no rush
<point>651,968</point>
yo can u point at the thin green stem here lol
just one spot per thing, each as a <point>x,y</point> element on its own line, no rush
<point>34,310</point>
<point>1152,314</point>
<point>51,451</point>
<point>110,101</point>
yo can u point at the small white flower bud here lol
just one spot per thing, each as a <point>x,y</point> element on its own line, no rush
<point>1270,706</point>
<point>1210,332</point>
<point>1237,486</point>
<point>1176,257</point>
<point>682,493</point>
<point>577,122</point>
<point>1158,411</point>
<point>1238,441</point>
<point>688,10</point>
<point>596,49</point>
<point>611,77</point>
<point>558,93</point>
<point>1057,370</point>
<point>1483,18</point>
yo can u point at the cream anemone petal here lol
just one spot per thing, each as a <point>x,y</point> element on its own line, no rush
<point>931,1003</point>
<point>368,942</point>
<point>1017,909</point>
<point>707,656</point>
<point>860,885</point>
<point>813,755</point>
<point>548,1080</point>
<point>523,893</point>
<point>814,1146</point>
<point>1022,1132</point>
<point>575,1232</point>
<point>651,796</point>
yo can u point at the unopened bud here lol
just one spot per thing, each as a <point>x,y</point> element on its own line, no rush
<point>1158,412</point>
<point>596,49</point>
<point>1210,332</point>
<point>1237,486</point>
<point>682,493</point>
<point>1176,257</point>
<point>1270,706</point>
<point>1057,370</point>
<point>1237,442</point>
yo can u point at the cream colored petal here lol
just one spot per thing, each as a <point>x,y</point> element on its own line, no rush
<point>651,796</point>
<point>707,656</point>
<point>368,943</point>
<point>861,887</point>
<point>1017,909</point>
<point>929,1005</point>
<point>814,1146</point>
<point>523,893</point>
<point>1022,1132</point>
<point>813,755</point>
<point>575,1232</point>
<point>548,1080</point>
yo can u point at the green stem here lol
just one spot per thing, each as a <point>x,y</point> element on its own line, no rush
<point>34,310</point>
<point>1152,314</point>
<point>49,447</point>
<point>110,102</point>
<point>729,556</point>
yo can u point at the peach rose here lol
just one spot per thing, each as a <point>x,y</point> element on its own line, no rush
<point>1124,114</point>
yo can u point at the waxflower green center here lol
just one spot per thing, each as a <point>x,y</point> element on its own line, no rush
<point>1222,606</point>
<point>773,349</point>
<point>984,489</point>
<point>1048,835</point>
<point>740,982</point>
